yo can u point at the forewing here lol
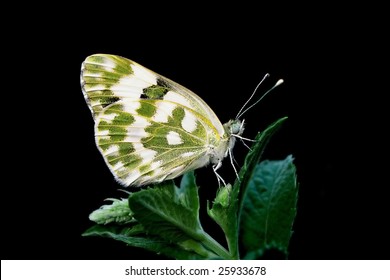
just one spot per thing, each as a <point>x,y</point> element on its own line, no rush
<point>107,79</point>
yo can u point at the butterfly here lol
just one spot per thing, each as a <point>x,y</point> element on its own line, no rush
<point>149,128</point>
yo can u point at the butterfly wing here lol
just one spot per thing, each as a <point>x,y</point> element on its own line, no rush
<point>145,141</point>
<point>147,127</point>
<point>106,79</point>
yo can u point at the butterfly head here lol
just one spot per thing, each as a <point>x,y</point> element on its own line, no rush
<point>234,127</point>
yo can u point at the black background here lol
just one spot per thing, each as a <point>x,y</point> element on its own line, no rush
<point>329,58</point>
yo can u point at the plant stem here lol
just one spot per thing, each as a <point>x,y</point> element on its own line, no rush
<point>217,248</point>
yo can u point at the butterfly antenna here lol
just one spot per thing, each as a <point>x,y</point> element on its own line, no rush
<point>279,82</point>
<point>253,94</point>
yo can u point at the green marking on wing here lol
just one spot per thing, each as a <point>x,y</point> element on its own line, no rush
<point>147,108</point>
<point>177,116</point>
<point>144,168</point>
<point>117,127</point>
<point>158,132</point>
<point>169,161</point>
<point>125,155</point>
<point>122,118</point>
<point>130,161</point>
<point>155,91</point>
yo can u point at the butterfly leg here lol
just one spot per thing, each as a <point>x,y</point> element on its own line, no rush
<point>232,163</point>
<point>242,140</point>
<point>219,178</point>
<point>246,145</point>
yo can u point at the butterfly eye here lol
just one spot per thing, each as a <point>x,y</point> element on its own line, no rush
<point>236,127</point>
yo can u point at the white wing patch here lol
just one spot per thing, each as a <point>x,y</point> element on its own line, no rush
<point>147,156</point>
<point>144,74</point>
<point>187,154</point>
<point>140,122</point>
<point>173,138</point>
<point>109,117</point>
<point>135,134</point>
<point>174,171</point>
<point>131,107</point>
<point>189,121</point>
<point>177,98</point>
<point>163,111</point>
<point>134,175</point>
<point>155,164</point>
<point>122,88</point>
<point>111,150</point>
<point>132,80</point>
<point>108,64</point>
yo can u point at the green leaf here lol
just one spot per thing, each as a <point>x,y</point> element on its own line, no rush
<point>172,214</point>
<point>252,159</point>
<point>161,211</point>
<point>226,209</point>
<point>269,208</point>
<point>223,212</point>
<point>188,193</point>
<point>136,237</point>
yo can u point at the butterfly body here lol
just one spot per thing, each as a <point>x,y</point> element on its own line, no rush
<point>149,128</point>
